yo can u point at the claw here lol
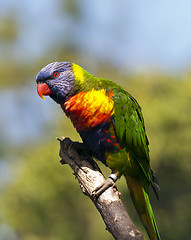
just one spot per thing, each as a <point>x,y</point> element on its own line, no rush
<point>104,186</point>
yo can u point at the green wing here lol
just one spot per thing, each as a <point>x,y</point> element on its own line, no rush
<point>130,129</point>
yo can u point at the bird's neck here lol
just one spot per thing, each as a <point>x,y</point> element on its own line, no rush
<point>84,81</point>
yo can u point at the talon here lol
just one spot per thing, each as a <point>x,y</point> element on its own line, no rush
<point>104,186</point>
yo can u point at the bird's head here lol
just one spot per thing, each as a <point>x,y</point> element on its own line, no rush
<point>56,80</point>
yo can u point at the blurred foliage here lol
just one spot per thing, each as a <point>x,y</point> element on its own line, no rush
<point>45,202</point>
<point>13,74</point>
<point>8,29</point>
<point>70,7</point>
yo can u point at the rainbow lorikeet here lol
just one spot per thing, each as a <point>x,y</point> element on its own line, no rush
<point>110,123</point>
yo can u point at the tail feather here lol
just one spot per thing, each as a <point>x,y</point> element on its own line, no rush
<point>142,204</point>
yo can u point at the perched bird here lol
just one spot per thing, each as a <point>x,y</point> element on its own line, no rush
<point>110,123</point>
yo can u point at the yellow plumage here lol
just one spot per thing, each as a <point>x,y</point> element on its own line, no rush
<point>99,100</point>
<point>88,109</point>
<point>78,73</point>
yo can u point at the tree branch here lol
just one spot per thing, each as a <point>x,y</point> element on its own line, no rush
<point>89,176</point>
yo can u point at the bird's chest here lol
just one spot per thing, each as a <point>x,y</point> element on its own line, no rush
<point>91,114</point>
<point>89,109</point>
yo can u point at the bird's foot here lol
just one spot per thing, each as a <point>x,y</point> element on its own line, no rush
<point>104,186</point>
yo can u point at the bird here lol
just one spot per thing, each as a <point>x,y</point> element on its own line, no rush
<point>110,123</point>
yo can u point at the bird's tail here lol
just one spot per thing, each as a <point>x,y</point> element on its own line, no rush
<point>142,204</point>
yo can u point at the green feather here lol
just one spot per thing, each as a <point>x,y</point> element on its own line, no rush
<point>129,121</point>
<point>128,138</point>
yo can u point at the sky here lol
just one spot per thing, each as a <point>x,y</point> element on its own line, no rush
<point>130,34</point>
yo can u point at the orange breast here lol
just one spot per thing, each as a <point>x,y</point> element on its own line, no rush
<point>89,109</point>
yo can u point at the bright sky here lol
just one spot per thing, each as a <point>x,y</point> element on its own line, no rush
<point>132,34</point>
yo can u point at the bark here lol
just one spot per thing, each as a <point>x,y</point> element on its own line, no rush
<point>89,176</point>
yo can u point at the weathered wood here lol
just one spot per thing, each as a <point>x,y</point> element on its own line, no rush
<point>89,176</point>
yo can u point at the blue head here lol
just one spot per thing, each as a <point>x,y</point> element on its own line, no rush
<point>56,80</point>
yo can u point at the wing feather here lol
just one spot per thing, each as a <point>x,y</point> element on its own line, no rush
<point>130,129</point>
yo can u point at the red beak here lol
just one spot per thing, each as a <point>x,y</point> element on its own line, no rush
<point>43,90</point>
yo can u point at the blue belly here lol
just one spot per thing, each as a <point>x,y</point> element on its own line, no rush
<point>100,140</point>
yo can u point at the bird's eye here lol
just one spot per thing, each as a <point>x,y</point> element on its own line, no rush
<point>56,74</point>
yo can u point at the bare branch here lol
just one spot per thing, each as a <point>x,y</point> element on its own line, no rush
<point>89,176</point>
